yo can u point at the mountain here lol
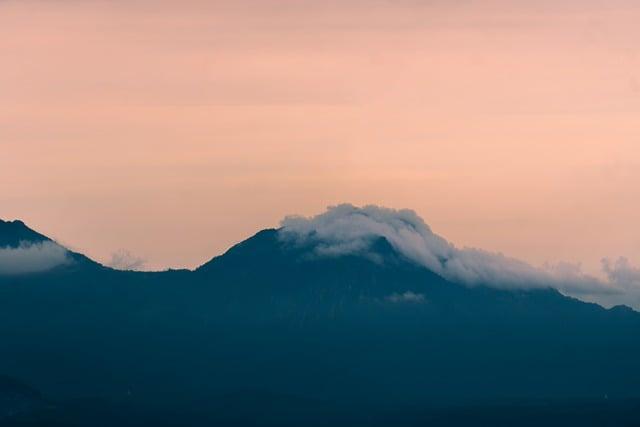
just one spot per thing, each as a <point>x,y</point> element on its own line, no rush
<point>13,233</point>
<point>347,334</point>
<point>45,252</point>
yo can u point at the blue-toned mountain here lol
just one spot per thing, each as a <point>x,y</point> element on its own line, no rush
<point>279,317</point>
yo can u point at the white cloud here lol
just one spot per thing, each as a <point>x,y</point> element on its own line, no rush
<point>623,276</point>
<point>347,229</point>
<point>125,260</point>
<point>32,257</point>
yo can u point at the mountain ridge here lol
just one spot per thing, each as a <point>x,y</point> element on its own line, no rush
<point>265,246</point>
<point>367,326</point>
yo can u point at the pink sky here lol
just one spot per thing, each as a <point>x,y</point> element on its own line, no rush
<point>175,129</point>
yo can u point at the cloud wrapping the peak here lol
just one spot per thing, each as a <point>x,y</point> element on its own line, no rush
<point>347,229</point>
<point>32,258</point>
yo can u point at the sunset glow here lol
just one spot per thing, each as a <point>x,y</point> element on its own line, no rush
<point>175,129</point>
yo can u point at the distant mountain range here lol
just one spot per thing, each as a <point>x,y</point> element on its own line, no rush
<point>271,328</point>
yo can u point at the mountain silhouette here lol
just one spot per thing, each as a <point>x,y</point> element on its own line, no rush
<point>13,233</point>
<point>16,234</point>
<point>370,332</point>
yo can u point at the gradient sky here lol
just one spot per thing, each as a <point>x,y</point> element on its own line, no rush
<point>174,129</point>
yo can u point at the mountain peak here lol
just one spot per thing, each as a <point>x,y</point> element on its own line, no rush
<point>27,251</point>
<point>14,233</point>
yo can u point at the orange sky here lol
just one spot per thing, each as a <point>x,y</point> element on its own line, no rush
<point>175,129</point>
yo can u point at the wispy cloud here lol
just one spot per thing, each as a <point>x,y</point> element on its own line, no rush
<point>125,260</point>
<point>32,258</point>
<point>406,297</point>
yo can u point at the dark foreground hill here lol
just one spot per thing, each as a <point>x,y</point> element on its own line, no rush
<point>270,334</point>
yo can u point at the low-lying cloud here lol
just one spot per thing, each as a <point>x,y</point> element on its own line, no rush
<point>32,258</point>
<point>125,260</point>
<point>406,297</point>
<point>347,229</point>
<point>623,276</point>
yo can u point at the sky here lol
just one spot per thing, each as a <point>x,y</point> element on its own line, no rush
<point>168,131</point>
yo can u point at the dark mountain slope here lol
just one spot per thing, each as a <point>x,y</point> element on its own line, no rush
<point>18,401</point>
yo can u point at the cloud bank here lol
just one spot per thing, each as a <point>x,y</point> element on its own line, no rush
<point>347,229</point>
<point>32,258</point>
